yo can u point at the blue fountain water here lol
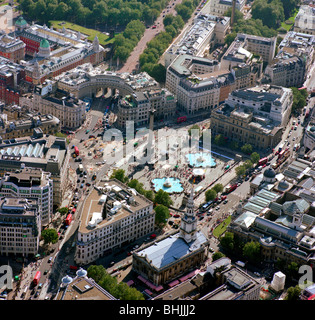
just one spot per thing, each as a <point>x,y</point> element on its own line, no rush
<point>174,185</point>
<point>193,159</point>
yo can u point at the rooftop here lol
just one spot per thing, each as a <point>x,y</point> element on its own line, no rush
<point>163,253</point>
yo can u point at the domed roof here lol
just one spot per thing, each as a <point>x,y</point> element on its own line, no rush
<point>66,280</point>
<point>312,129</point>
<point>44,44</point>
<point>81,273</point>
<point>284,185</point>
<point>20,21</point>
<point>269,173</point>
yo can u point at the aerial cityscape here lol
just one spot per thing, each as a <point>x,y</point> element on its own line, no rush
<point>157,150</point>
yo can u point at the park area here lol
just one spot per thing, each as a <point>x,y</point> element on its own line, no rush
<point>103,38</point>
<point>221,228</point>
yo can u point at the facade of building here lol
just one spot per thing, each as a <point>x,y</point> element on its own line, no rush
<point>219,7</point>
<point>206,31</point>
<point>272,102</point>
<point>12,48</point>
<point>175,255</point>
<point>51,154</point>
<point>33,184</point>
<point>250,50</point>
<point>54,51</point>
<point>309,133</point>
<point>11,76</point>
<point>138,106</point>
<point>24,124</point>
<point>113,215</point>
<point>20,226</point>
<point>305,20</point>
<point>242,126</point>
<point>291,65</point>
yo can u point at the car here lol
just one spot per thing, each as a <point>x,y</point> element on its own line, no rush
<point>87,131</point>
<point>257,274</point>
<point>91,136</point>
<point>201,218</point>
<point>211,249</point>
<point>217,208</point>
<point>78,181</point>
<point>225,201</point>
<point>36,294</point>
<point>176,215</point>
<point>50,259</point>
<point>82,185</point>
<point>293,139</point>
<point>88,184</point>
<point>154,27</point>
<point>40,285</point>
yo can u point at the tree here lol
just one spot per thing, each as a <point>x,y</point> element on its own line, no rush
<point>247,148</point>
<point>227,241</point>
<point>119,174</point>
<point>162,213</point>
<point>162,197</point>
<point>218,187</point>
<point>217,255</point>
<point>251,251</point>
<point>240,170</point>
<point>293,293</point>
<point>194,127</point>
<point>219,140</point>
<point>229,38</point>
<point>50,236</point>
<point>299,99</point>
<point>63,210</point>
<point>254,157</point>
<point>293,270</point>
<point>210,195</point>
<point>96,272</point>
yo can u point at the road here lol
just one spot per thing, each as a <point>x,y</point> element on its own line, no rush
<point>133,60</point>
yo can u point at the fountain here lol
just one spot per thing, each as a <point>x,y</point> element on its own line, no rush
<point>200,160</point>
<point>168,185</point>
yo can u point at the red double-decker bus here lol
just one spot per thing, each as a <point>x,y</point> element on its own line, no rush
<point>36,278</point>
<point>76,150</point>
<point>68,219</point>
<point>181,119</point>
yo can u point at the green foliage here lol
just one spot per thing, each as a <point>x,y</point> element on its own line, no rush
<point>125,43</point>
<point>247,148</point>
<point>299,99</point>
<point>162,213</point>
<point>240,170</point>
<point>251,251</point>
<point>293,293</point>
<point>218,187</point>
<point>94,12</point>
<point>138,186</point>
<point>227,241</point>
<point>50,235</point>
<point>63,210</point>
<point>254,157</point>
<point>210,195</point>
<point>162,197</point>
<point>217,255</point>
<point>119,174</point>
<point>120,290</point>
<point>219,140</point>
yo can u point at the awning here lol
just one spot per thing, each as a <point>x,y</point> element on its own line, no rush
<point>130,283</point>
<point>173,283</point>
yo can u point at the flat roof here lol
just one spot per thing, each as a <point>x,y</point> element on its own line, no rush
<point>92,204</point>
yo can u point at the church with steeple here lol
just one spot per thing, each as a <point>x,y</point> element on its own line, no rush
<point>171,258</point>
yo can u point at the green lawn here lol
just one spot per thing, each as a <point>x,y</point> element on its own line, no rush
<point>103,38</point>
<point>292,18</point>
<point>220,229</point>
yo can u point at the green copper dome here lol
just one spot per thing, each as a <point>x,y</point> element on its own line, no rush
<point>44,44</point>
<point>20,21</point>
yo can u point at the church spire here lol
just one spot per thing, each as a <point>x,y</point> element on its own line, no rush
<point>188,227</point>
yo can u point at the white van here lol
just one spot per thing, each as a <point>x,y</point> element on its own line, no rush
<point>240,264</point>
